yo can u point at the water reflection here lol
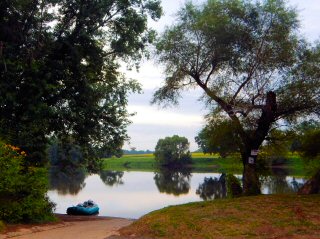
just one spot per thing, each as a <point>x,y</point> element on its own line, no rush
<point>174,182</point>
<point>280,184</point>
<point>67,180</point>
<point>148,191</point>
<point>111,178</point>
<point>212,188</point>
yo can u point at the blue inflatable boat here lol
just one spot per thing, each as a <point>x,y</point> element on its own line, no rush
<point>86,208</point>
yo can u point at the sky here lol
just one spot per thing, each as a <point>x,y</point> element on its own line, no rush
<point>152,122</point>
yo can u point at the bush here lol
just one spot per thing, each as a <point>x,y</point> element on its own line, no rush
<point>234,188</point>
<point>22,188</point>
<point>173,151</point>
<point>2,226</point>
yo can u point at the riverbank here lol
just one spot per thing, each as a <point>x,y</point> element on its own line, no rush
<point>68,227</point>
<point>264,216</point>
<point>201,163</point>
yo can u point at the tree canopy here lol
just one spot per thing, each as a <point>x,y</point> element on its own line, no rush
<point>172,151</point>
<point>59,72</point>
<point>251,63</point>
<point>218,136</point>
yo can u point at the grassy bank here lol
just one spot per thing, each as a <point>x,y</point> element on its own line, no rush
<point>265,216</point>
<point>201,163</point>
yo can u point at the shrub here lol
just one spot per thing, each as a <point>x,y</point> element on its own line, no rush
<point>2,226</point>
<point>234,188</point>
<point>22,188</point>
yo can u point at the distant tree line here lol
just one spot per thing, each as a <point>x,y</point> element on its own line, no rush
<point>134,151</point>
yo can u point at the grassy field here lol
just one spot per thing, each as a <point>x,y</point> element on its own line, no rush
<point>134,162</point>
<point>265,216</point>
<point>201,163</point>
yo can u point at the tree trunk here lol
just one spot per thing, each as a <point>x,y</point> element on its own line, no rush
<point>250,177</point>
<point>312,186</point>
<point>251,183</point>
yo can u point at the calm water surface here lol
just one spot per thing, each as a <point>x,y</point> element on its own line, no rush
<point>133,194</point>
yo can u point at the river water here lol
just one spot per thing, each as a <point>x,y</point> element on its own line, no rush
<point>134,194</point>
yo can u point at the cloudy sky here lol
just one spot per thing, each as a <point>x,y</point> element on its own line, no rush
<point>151,122</point>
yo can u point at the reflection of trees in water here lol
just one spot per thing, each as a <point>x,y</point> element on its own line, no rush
<point>212,188</point>
<point>174,182</point>
<point>68,180</point>
<point>279,184</point>
<point>111,178</point>
<point>277,181</point>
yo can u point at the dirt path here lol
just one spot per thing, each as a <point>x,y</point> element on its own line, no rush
<point>70,227</point>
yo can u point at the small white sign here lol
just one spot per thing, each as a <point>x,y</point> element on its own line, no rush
<point>254,152</point>
<point>251,160</point>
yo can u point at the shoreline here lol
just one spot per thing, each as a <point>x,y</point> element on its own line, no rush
<point>74,218</point>
<point>69,226</point>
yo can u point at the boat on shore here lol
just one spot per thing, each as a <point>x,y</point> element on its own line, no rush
<point>86,208</point>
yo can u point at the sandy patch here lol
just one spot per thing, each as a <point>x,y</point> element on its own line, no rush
<point>70,227</point>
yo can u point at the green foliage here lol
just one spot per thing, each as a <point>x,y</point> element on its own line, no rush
<point>250,62</point>
<point>172,151</point>
<point>2,226</point>
<point>63,154</point>
<point>310,146</point>
<point>234,188</point>
<point>59,71</point>
<point>275,150</point>
<point>305,143</point>
<point>218,136</point>
<point>22,188</point>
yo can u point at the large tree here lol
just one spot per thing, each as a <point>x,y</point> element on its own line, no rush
<point>252,65</point>
<point>59,70</point>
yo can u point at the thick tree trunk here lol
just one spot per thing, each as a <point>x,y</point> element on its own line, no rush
<point>250,177</point>
<point>251,183</point>
<point>312,186</point>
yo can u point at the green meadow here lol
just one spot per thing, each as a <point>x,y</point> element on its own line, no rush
<point>200,163</point>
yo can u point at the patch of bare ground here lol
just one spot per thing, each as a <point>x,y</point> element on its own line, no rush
<point>68,227</point>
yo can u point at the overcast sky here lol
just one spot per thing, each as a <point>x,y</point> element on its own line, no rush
<point>151,122</point>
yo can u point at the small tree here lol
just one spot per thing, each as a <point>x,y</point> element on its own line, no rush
<point>22,188</point>
<point>172,151</point>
